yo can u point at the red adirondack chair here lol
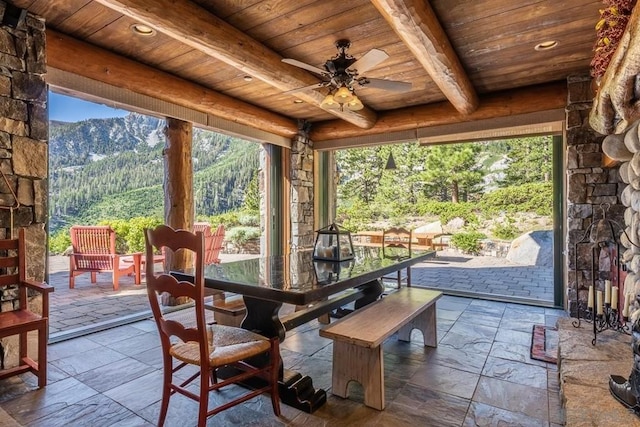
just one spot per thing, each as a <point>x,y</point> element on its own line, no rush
<point>212,241</point>
<point>94,251</point>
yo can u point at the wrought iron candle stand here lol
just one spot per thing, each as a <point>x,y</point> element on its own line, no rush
<point>610,316</point>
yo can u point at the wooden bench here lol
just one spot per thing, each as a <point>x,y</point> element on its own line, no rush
<point>358,337</point>
<point>228,308</point>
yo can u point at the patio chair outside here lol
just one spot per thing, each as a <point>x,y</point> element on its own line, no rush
<point>94,251</point>
<point>212,241</point>
<point>398,237</point>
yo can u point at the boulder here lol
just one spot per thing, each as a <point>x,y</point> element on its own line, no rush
<point>533,248</point>
<point>431,228</point>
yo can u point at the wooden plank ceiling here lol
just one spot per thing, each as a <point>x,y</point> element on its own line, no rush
<point>466,59</point>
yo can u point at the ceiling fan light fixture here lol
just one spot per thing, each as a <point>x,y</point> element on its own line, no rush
<point>343,95</point>
<point>355,104</point>
<point>329,103</point>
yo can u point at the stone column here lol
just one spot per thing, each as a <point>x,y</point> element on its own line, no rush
<point>24,134</point>
<point>589,185</point>
<point>302,232</point>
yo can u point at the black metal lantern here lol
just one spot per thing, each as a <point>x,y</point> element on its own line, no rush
<point>333,244</point>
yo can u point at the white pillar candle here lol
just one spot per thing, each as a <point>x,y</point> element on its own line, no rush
<point>599,302</point>
<point>590,300</point>
<point>614,297</point>
<point>625,310</point>
<point>607,291</point>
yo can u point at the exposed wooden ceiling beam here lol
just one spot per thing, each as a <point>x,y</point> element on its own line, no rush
<point>417,25</point>
<point>500,104</point>
<point>194,26</point>
<point>99,64</point>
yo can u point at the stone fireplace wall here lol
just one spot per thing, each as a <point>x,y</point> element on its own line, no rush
<point>24,133</point>
<point>589,186</point>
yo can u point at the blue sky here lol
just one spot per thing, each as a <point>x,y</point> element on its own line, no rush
<point>69,109</point>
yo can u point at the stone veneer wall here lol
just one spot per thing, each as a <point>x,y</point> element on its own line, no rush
<point>589,185</point>
<point>24,133</point>
<point>302,232</point>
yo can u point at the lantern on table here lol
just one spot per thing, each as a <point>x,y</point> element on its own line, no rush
<point>333,244</point>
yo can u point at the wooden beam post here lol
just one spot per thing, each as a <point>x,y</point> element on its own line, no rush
<point>102,65</point>
<point>524,100</point>
<point>178,184</point>
<point>417,25</point>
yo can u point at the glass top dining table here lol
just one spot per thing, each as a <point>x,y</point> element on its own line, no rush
<point>299,279</point>
<point>319,286</point>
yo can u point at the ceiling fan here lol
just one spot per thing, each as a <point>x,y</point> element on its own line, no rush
<point>342,74</point>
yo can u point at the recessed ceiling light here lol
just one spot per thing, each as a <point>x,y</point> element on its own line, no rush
<point>549,44</point>
<point>297,101</point>
<point>247,78</point>
<point>143,30</point>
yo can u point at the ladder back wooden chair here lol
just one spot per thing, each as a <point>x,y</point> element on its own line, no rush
<point>208,346</point>
<point>398,237</point>
<point>94,251</point>
<point>22,320</point>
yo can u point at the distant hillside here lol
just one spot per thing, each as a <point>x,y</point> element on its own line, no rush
<point>113,168</point>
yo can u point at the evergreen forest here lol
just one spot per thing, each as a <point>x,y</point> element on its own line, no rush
<point>475,182</point>
<point>113,169</point>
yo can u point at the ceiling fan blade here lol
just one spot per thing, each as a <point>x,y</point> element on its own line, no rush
<point>391,85</point>
<point>369,60</point>
<point>307,67</point>
<point>302,89</point>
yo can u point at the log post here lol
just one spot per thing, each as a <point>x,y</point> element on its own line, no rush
<point>178,186</point>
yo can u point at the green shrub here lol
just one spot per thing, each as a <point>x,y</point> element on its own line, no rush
<point>447,211</point>
<point>228,219</point>
<point>469,242</point>
<point>130,233</point>
<point>59,241</point>
<point>249,219</point>
<point>241,235</point>
<point>506,231</point>
<point>354,217</point>
<point>533,197</point>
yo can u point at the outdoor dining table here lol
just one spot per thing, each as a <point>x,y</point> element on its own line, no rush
<point>321,286</point>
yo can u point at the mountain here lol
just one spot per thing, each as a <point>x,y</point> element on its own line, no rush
<point>113,169</point>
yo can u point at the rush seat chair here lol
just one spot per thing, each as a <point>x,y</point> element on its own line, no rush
<point>209,347</point>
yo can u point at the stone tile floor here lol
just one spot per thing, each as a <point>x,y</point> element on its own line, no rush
<point>479,375</point>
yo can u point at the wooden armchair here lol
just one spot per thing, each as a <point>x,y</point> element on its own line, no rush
<point>22,320</point>
<point>398,238</point>
<point>212,241</point>
<point>94,251</point>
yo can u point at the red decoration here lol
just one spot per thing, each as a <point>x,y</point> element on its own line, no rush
<point>609,29</point>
